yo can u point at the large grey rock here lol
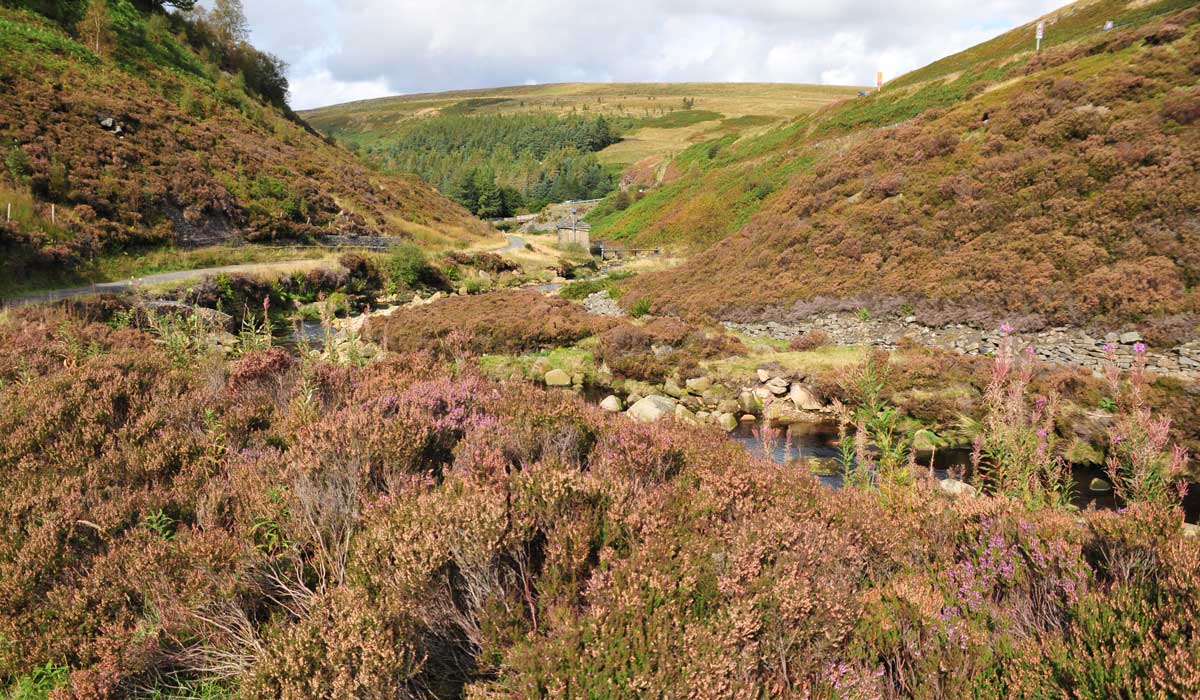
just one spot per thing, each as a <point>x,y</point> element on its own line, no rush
<point>763,375</point>
<point>804,398</point>
<point>557,377</point>
<point>778,386</point>
<point>727,421</point>
<point>1098,485</point>
<point>699,385</point>
<point>1130,337</point>
<point>651,409</point>
<point>728,406</point>
<point>612,404</point>
<point>954,487</point>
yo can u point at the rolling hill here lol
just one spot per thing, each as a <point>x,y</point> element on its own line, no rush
<point>147,143</point>
<point>507,135</point>
<point>1058,187</point>
<point>652,109</point>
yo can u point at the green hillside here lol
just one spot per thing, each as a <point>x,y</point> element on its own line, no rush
<point>154,132</point>
<point>1059,187</point>
<point>546,143</point>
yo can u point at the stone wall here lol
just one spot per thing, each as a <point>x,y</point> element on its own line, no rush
<point>1066,346</point>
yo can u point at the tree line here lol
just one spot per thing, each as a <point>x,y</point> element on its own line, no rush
<point>497,165</point>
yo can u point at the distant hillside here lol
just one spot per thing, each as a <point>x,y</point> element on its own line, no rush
<point>147,143</point>
<point>656,121</point>
<point>1059,187</point>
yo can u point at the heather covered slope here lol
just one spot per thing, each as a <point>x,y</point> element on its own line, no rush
<point>1060,187</point>
<point>151,144</point>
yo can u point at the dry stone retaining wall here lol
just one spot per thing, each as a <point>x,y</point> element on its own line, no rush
<point>1066,346</point>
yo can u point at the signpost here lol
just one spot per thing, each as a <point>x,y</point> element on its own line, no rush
<point>1041,32</point>
<point>879,80</point>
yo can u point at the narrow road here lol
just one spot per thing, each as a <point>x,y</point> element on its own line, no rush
<point>54,295</point>
<point>515,243</point>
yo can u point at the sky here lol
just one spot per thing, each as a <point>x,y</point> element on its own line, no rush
<point>343,50</point>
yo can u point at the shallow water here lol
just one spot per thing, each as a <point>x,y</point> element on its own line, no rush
<point>820,441</point>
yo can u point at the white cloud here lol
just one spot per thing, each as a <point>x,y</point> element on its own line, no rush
<point>364,48</point>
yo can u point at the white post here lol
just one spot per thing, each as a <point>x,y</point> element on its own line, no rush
<point>53,218</point>
<point>8,216</point>
<point>1041,31</point>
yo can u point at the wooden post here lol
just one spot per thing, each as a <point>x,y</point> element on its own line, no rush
<point>8,216</point>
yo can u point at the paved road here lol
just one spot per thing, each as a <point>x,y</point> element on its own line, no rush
<point>515,243</point>
<point>126,285</point>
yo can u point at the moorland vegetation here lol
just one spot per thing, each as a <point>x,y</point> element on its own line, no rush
<point>1050,189</point>
<point>161,128</point>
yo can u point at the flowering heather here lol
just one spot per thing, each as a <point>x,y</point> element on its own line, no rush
<point>267,528</point>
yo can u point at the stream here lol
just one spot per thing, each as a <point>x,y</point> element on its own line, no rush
<point>820,441</point>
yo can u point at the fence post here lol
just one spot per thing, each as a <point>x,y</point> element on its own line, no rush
<point>53,218</point>
<point>8,216</point>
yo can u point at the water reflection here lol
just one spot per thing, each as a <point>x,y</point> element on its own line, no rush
<point>818,445</point>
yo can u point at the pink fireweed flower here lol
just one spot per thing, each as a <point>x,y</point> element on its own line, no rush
<point>1005,329</point>
<point>266,304</point>
<point>1139,348</point>
<point>1042,433</point>
<point>1030,351</point>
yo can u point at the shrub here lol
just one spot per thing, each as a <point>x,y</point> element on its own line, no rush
<point>406,266</point>
<point>499,322</point>
<point>809,340</point>
<point>1182,106</point>
<point>1017,453</point>
<point>640,308</point>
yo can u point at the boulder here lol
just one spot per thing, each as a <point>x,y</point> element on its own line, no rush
<point>778,386</point>
<point>1130,338</point>
<point>612,404</point>
<point>926,441</point>
<point>557,377</point>
<point>763,375</point>
<point>1098,485</point>
<point>783,413</point>
<point>633,398</point>
<point>672,388</point>
<point>541,366</point>
<point>684,415</point>
<point>699,385</point>
<point>651,409</point>
<point>749,403</point>
<point>954,487</point>
<point>727,421</point>
<point>1190,530</point>
<point>804,398</point>
<point>728,406</point>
